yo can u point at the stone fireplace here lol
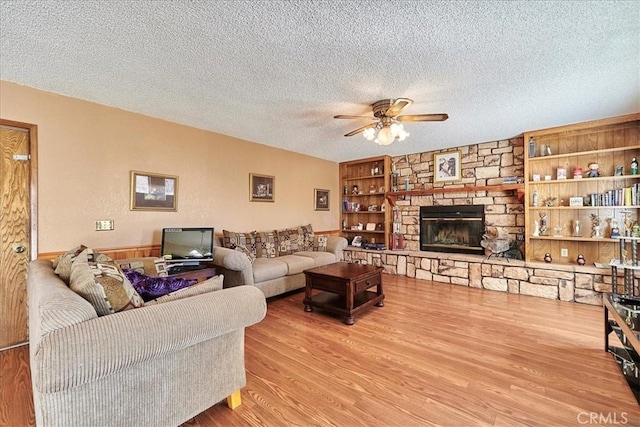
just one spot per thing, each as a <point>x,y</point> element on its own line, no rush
<point>456,229</point>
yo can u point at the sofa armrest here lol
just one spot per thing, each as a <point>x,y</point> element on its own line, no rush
<point>336,244</point>
<point>94,349</point>
<point>235,266</point>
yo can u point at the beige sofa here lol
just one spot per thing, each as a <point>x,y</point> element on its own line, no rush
<point>157,365</point>
<point>274,276</point>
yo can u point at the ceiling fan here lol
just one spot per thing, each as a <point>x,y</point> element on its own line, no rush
<point>387,121</point>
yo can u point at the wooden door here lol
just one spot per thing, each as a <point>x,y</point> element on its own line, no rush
<point>17,207</point>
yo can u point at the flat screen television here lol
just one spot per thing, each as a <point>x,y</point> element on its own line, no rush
<point>188,246</point>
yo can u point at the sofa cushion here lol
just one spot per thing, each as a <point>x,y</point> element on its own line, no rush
<point>268,268</point>
<point>266,243</point>
<point>149,266</point>
<point>232,239</point>
<point>209,285</point>
<point>296,264</point>
<point>104,285</point>
<point>319,258</point>
<point>151,288</point>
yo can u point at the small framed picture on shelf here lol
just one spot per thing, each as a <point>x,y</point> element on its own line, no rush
<point>547,177</point>
<point>536,177</point>
<point>576,201</point>
<point>561,173</point>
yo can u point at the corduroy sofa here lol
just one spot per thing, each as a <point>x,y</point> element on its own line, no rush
<point>157,365</point>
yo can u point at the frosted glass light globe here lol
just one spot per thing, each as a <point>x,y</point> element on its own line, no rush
<point>385,137</point>
<point>369,133</point>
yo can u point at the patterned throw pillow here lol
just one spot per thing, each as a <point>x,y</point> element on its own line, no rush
<point>320,243</point>
<point>62,264</point>
<point>266,244</point>
<point>305,238</point>
<point>232,240</point>
<point>288,241</point>
<point>209,285</point>
<point>104,285</point>
<point>149,266</point>
<point>246,252</point>
<point>151,288</point>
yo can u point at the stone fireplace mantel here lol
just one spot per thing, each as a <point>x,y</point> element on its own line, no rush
<point>392,197</point>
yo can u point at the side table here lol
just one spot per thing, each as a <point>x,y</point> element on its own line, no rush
<point>623,317</point>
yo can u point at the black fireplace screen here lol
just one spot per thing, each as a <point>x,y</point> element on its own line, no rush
<point>452,229</point>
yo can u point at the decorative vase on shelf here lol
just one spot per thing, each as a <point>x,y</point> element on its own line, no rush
<point>576,228</point>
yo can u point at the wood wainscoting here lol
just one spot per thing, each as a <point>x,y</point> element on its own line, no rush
<point>116,253</point>
<point>146,250</point>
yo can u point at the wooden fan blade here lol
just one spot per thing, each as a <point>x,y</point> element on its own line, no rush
<point>441,117</point>
<point>360,129</point>
<point>344,116</point>
<point>397,106</point>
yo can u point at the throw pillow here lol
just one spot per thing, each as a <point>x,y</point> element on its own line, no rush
<point>266,244</point>
<point>245,251</point>
<point>62,263</point>
<point>320,243</point>
<point>231,239</point>
<point>305,238</point>
<point>149,266</point>
<point>209,285</point>
<point>151,288</point>
<point>104,285</point>
<point>288,241</point>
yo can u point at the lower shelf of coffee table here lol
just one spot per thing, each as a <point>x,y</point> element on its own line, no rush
<point>336,303</point>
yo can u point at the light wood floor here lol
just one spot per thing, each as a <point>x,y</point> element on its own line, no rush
<point>433,355</point>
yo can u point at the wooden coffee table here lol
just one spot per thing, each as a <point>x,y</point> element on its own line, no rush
<point>344,289</point>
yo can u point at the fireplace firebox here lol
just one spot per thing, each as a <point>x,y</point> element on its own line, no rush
<point>457,229</point>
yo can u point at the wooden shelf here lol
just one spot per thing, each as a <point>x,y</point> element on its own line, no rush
<point>583,153</point>
<point>585,179</point>
<point>574,239</point>
<point>393,196</point>
<point>551,208</point>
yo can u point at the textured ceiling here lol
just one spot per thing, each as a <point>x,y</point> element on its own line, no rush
<point>276,72</point>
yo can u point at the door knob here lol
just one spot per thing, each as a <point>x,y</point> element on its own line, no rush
<point>19,248</point>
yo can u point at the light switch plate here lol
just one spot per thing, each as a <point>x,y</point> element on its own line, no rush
<point>104,225</point>
<point>564,252</point>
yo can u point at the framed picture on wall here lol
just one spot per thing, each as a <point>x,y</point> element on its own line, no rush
<point>321,198</point>
<point>153,192</point>
<point>261,188</point>
<point>447,166</point>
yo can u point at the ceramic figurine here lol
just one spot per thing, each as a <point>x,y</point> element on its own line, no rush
<point>536,229</point>
<point>547,257</point>
<point>543,224</point>
<point>580,260</point>
<point>596,229</point>
<point>594,170</point>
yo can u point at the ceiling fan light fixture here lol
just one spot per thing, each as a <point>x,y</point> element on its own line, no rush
<point>385,136</point>
<point>369,133</point>
<point>388,127</point>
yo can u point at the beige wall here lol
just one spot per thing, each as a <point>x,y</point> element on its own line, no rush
<point>86,152</point>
